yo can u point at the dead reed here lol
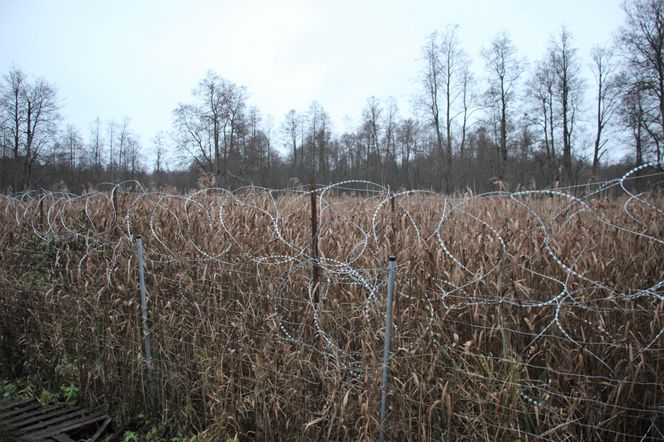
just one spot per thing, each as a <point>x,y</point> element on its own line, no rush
<point>522,316</point>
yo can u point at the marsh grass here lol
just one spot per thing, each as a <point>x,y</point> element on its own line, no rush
<point>481,352</point>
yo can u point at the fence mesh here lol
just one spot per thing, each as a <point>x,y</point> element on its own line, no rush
<point>525,315</point>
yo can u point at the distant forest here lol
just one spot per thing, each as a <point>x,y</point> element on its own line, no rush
<point>519,124</point>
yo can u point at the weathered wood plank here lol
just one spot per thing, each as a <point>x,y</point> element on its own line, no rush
<point>9,405</point>
<point>32,422</point>
<point>62,438</point>
<point>45,414</point>
<point>43,424</point>
<point>68,426</point>
<point>100,430</point>
<point>19,410</point>
<point>20,416</point>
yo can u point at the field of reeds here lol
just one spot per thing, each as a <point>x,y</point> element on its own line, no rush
<point>531,315</point>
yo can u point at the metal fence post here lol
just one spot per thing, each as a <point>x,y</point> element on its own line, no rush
<point>147,341</point>
<point>391,270</point>
<point>315,268</point>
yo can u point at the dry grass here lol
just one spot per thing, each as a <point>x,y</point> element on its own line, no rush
<point>519,317</point>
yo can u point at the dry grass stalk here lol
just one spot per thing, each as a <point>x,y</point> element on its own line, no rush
<point>518,315</point>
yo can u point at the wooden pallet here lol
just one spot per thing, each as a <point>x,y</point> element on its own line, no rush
<point>28,420</point>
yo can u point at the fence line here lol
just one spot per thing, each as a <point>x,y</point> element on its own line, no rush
<point>500,288</point>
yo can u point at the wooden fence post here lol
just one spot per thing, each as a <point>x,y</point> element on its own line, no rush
<point>147,341</point>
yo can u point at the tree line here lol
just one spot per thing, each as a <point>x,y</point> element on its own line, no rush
<point>519,124</point>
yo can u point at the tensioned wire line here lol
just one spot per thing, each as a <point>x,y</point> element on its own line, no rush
<point>248,235</point>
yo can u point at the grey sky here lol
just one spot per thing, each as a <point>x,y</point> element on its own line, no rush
<point>140,58</point>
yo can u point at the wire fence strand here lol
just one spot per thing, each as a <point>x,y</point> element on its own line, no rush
<point>534,314</point>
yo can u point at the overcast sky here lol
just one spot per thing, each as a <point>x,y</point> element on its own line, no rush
<point>138,59</point>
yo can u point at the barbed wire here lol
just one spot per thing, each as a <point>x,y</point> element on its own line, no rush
<point>531,269</point>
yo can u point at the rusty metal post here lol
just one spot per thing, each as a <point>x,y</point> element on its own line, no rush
<point>315,269</point>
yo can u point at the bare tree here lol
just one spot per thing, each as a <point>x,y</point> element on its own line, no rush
<point>505,68</point>
<point>391,115</point>
<point>74,145</point>
<point>323,141</point>
<point>159,143</point>
<point>371,130</point>
<point>191,135</point>
<point>111,126</point>
<point>470,105</point>
<point>637,116</point>
<point>452,60</point>
<point>642,42</point>
<point>253,150</point>
<point>31,112</point>
<point>234,128</point>
<point>268,127</point>
<point>290,128</point>
<point>13,111</point>
<point>211,91</point>
<point>41,116</point>
<point>407,136</point>
<point>208,128</point>
<point>4,127</point>
<point>134,159</point>
<point>431,80</point>
<point>389,140</point>
<point>443,86</point>
<point>317,139</point>
<point>569,88</point>
<point>124,142</point>
<point>541,90</point>
<point>608,97</point>
<point>67,158</point>
<point>632,117</point>
<point>96,145</point>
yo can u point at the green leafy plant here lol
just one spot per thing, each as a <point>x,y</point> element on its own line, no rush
<point>13,390</point>
<point>69,392</point>
<point>47,396</point>
<point>66,368</point>
<point>129,436</point>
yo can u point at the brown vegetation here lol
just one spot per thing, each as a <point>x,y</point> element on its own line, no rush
<point>520,316</point>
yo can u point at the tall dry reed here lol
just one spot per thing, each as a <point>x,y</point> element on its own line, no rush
<point>522,316</point>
